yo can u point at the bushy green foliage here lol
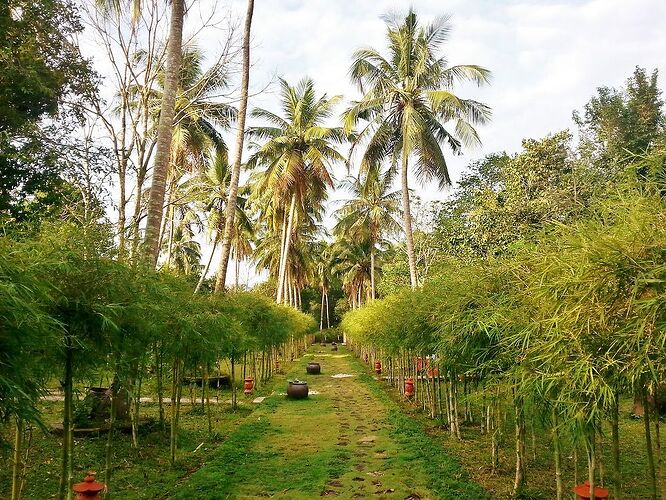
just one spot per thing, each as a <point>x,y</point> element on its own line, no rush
<point>572,321</point>
<point>63,291</point>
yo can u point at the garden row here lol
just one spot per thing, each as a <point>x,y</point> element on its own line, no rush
<point>72,312</point>
<point>553,338</point>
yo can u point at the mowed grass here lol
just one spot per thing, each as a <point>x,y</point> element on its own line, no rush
<point>349,441</point>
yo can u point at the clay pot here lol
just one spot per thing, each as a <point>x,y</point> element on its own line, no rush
<point>313,368</point>
<point>378,367</point>
<point>248,386</point>
<point>582,491</point>
<point>409,387</point>
<point>89,488</point>
<point>334,346</point>
<point>297,389</point>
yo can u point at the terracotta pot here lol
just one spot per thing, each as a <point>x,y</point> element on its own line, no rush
<point>297,389</point>
<point>248,387</point>
<point>89,488</point>
<point>313,368</point>
<point>378,367</point>
<point>582,491</point>
<point>409,387</point>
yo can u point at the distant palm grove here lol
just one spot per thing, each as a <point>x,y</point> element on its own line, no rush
<point>162,233</point>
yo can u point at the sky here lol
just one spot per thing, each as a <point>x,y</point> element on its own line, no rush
<point>547,57</point>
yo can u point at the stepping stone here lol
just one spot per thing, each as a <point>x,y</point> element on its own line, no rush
<point>258,400</point>
<point>367,439</point>
<point>341,375</point>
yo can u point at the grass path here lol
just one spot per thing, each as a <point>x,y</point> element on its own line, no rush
<point>348,441</point>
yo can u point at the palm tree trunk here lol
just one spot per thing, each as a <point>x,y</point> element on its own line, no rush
<point>237,259</point>
<point>284,257</point>
<point>282,242</point>
<point>328,317</point>
<point>235,172</point>
<point>372,270</point>
<point>210,260</point>
<point>164,133</point>
<point>407,220</point>
<point>321,315</point>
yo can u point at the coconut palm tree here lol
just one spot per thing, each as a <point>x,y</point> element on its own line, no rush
<point>207,190</point>
<point>236,168</point>
<point>197,125</point>
<point>352,263</point>
<point>164,130</point>
<point>297,157</point>
<point>408,105</point>
<point>371,211</point>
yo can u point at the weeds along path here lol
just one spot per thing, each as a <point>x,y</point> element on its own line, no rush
<point>347,441</point>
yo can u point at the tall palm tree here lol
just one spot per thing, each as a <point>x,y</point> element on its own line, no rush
<point>353,264</point>
<point>199,118</point>
<point>371,211</point>
<point>408,103</point>
<point>324,261</point>
<point>236,168</point>
<point>297,157</point>
<point>208,191</point>
<point>164,129</point>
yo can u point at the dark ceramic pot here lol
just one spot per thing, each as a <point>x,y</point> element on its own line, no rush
<point>297,389</point>
<point>313,368</point>
<point>334,346</point>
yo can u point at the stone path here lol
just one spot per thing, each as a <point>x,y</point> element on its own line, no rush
<point>339,443</point>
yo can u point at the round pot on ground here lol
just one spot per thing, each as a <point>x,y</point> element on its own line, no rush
<point>334,346</point>
<point>297,389</point>
<point>313,368</point>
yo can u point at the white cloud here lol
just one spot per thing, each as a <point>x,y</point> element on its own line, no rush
<point>547,57</point>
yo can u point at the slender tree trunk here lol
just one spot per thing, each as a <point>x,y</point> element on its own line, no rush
<point>407,220</point>
<point>110,436</point>
<point>321,315</point>
<point>235,172</point>
<point>282,243</point>
<point>558,457</point>
<point>210,260</point>
<point>237,262</point>
<point>64,490</point>
<point>233,382</point>
<point>328,317</point>
<point>372,270</point>
<point>591,463</point>
<point>648,441</point>
<point>164,132</point>
<point>282,276</point>
<point>17,465</point>
<point>615,431</point>
<point>519,481</point>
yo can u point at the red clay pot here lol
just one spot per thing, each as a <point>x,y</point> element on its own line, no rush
<point>378,367</point>
<point>89,488</point>
<point>409,387</point>
<point>582,491</point>
<point>248,387</point>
